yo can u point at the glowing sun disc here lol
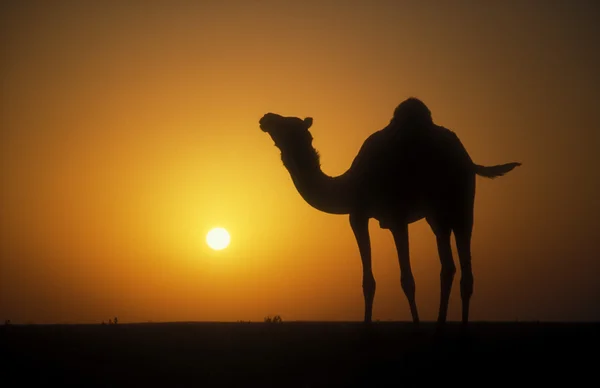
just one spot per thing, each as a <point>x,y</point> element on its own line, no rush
<point>218,238</point>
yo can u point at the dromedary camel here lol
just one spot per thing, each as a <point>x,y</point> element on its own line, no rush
<point>410,170</point>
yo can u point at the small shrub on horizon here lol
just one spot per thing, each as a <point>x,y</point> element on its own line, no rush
<point>275,319</point>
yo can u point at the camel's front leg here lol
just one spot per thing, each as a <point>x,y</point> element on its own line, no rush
<point>360,227</point>
<point>407,279</point>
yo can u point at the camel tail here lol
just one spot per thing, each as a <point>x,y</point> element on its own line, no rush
<point>495,171</point>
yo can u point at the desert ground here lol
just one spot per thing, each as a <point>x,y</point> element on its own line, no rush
<point>300,354</point>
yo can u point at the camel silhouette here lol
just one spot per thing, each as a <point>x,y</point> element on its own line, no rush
<point>410,170</point>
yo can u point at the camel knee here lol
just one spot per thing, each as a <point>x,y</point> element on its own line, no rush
<point>369,285</point>
<point>466,284</point>
<point>448,271</point>
<point>408,285</point>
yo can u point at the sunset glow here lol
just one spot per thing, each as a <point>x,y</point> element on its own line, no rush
<point>130,129</point>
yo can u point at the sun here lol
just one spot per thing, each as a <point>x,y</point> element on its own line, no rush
<point>218,238</point>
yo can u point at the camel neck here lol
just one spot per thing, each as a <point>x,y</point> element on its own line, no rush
<point>323,192</point>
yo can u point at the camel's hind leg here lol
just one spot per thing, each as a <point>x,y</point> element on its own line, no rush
<point>447,272</point>
<point>442,234</point>
<point>463,229</point>
<point>463,246</point>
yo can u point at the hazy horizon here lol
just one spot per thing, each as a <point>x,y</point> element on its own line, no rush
<point>129,130</point>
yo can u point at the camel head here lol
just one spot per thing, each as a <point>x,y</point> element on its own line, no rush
<point>288,133</point>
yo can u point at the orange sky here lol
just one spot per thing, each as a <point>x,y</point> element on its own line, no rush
<point>129,130</point>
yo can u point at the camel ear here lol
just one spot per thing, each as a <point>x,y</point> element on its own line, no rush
<point>308,122</point>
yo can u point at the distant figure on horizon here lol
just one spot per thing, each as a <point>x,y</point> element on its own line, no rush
<point>410,170</point>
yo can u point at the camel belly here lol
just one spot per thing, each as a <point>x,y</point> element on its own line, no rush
<point>391,203</point>
<point>397,213</point>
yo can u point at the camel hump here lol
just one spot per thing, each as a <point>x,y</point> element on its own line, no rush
<point>412,111</point>
<point>399,138</point>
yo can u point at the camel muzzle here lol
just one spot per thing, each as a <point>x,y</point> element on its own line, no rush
<point>263,125</point>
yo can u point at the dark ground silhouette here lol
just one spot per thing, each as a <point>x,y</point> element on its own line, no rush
<point>295,354</point>
<point>410,170</point>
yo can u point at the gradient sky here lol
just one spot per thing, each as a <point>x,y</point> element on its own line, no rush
<point>129,129</point>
